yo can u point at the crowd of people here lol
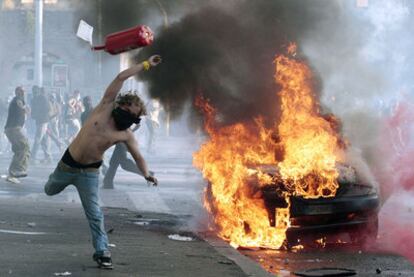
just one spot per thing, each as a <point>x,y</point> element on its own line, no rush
<point>51,120</point>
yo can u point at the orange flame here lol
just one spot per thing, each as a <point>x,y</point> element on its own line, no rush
<point>306,143</point>
<point>308,140</point>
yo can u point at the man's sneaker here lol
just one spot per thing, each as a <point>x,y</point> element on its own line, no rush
<point>12,179</point>
<point>103,262</point>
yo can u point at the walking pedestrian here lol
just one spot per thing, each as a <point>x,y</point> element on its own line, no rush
<point>74,110</point>
<point>17,136</point>
<point>119,158</point>
<point>3,117</point>
<point>53,127</point>
<point>41,113</point>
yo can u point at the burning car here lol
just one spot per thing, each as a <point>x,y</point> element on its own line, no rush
<point>352,211</point>
<point>271,184</point>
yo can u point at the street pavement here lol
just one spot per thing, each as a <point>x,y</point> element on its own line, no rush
<point>44,235</point>
<point>49,236</point>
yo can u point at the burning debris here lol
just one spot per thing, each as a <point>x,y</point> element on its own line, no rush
<point>259,177</point>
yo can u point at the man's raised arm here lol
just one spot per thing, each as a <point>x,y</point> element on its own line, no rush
<point>114,87</point>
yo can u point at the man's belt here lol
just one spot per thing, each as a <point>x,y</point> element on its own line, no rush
<point>64,167</point>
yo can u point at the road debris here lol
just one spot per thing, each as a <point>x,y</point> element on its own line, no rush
<point>31,224</point>
<point>66,273</point>
<point>326,271</point>
<point>180,238</point>
<point>21,232</point>
<point>141,223</point>
<point>225,262</point>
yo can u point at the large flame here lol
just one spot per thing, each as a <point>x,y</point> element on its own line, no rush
<point>303,150</point>
<point>308,139</point>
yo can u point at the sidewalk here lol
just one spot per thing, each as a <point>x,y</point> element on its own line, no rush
<point>55,239</point>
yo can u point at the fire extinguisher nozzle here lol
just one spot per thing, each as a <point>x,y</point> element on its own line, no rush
<point>98,47</point>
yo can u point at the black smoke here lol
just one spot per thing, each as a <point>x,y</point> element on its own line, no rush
<point>223,50</point>
<point>226,54</point>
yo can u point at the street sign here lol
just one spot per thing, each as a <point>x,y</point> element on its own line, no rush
<point>59,75</point>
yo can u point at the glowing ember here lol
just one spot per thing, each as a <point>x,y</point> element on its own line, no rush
<point>303,151</point>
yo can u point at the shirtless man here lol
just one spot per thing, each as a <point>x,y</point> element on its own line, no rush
<point>107,125</point>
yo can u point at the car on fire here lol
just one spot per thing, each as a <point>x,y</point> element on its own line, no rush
<point>353,210</point>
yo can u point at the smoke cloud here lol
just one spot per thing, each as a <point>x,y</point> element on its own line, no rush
<point>226,54</point>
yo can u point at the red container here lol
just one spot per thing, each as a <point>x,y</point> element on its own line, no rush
<point>129,39</point>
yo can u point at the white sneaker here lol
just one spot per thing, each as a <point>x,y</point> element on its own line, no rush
<point>12,180</point>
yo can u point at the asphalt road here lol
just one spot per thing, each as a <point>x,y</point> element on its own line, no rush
<point>172,208</point>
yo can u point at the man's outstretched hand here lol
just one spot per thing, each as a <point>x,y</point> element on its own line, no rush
<point>152,179</point>
<point>154,60</point>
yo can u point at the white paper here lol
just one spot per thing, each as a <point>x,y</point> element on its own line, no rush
<point>85,31</point>
<point>180,238</point>
<point>21,232</point>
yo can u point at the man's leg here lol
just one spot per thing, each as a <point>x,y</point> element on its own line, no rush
<point>40,133</point>
<point>108,181</point>
<point>20,148</point>
<point>53,133</point>
<point>58,181</point>
<point>87,184</point>
<point>128,164</point>
<point>46,147</point>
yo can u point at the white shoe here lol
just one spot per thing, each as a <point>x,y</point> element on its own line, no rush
<point>12,180</point>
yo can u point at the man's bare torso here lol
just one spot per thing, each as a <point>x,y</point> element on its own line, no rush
<point>97,135</point>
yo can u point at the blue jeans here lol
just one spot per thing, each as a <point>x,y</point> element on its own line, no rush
<point>86,182</point>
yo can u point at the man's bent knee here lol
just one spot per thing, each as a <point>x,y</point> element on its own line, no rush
<point>48,190</point>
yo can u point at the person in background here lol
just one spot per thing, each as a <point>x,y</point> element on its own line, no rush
<point>40,113</point>
<point>3,117</point>
<point>88,108</point>
<point>74,109</point>
<point>54,115</point>
<point>153,123</point>
<point>15,133</point>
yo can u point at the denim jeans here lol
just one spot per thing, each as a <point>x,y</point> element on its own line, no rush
<point>87,185</point>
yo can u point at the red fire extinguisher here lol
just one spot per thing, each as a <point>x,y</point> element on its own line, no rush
<point>129,39</point>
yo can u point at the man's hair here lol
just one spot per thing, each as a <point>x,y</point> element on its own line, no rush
<point>131,97</point>
<point>18,89</point>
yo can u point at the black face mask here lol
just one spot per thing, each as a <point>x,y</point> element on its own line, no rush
<point>124,119</point>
